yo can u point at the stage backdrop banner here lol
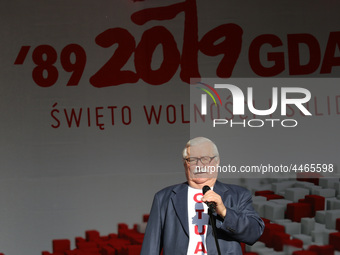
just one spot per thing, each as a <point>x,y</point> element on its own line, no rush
<point>96,102</point>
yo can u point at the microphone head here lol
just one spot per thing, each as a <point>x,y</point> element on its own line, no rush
<point>205,189</point>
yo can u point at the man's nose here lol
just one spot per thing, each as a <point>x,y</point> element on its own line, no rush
<point>199,162</point>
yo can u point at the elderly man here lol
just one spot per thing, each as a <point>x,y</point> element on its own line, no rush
<point>179,223</point>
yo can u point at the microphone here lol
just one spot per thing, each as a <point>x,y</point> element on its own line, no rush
<point>211,205</point>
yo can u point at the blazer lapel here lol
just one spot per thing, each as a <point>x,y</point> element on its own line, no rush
<point>220,189</point>
<point>180,202</point>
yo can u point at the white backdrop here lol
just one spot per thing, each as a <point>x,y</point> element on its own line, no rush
<point>62,176</point>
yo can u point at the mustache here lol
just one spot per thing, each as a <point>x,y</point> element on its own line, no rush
<point>204,169</point>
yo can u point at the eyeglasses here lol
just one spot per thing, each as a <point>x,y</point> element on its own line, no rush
<point>206,160</point>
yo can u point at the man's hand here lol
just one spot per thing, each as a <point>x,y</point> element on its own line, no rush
<point>211,196</point>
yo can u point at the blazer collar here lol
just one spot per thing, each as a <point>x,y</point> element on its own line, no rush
<point>220,188</point>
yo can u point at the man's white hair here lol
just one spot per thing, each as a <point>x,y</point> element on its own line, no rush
<point>197,141</point>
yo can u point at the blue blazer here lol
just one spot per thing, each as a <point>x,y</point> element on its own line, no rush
<point>168,228</point>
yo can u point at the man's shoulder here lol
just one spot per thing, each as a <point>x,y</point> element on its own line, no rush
<point>170,189</point>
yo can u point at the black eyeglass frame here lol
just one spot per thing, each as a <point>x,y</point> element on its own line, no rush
<point>199,159</point>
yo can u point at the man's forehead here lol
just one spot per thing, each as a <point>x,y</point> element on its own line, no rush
<point>204,149</point>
